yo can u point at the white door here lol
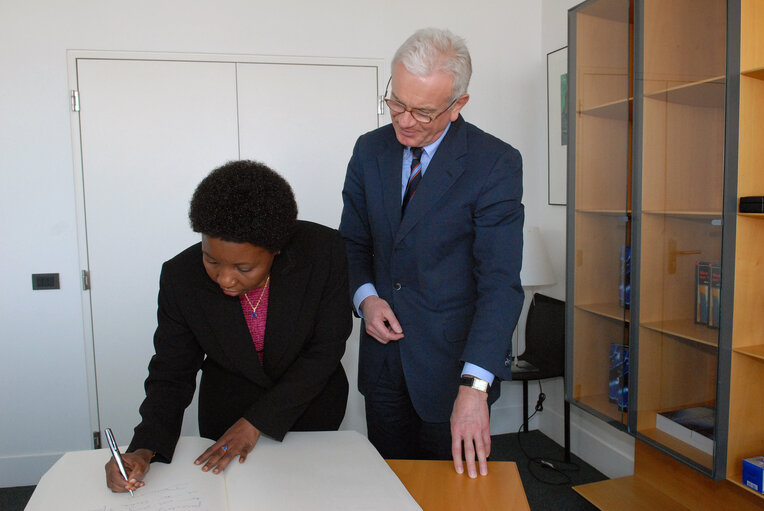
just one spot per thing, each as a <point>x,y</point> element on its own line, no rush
<point>303,121</point>
<point>149,131</point>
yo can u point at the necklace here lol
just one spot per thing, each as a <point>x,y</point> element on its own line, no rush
<point>255,306</point>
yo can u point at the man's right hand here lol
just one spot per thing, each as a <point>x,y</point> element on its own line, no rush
<point>380,321</point>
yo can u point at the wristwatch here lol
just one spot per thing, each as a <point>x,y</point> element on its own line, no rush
<point>474,383</point>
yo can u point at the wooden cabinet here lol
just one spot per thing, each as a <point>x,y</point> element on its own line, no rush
<point>746,414</point>
<point>599,198</point>
<point>666,136</point>
<point>679,148</point>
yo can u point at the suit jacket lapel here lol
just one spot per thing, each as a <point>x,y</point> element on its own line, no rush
<point>445,168</point>
<point>284,299</point>
<point>227,322</point>
<point>390,166</point>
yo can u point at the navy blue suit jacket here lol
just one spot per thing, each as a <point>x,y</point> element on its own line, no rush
<point>450,268</point>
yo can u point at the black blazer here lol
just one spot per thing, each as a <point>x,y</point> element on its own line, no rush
<point>301,384</point>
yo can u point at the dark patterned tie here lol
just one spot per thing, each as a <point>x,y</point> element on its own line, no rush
<point>414,178</point>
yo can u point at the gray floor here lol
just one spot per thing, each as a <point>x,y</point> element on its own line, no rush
<point>547,488</point>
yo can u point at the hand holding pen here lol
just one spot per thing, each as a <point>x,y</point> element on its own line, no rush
<point>125,472</point>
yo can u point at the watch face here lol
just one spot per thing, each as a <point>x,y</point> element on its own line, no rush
<point>475,383</point>
<point>481,385</point>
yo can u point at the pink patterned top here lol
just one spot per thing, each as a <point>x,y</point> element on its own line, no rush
<point>256,325</point>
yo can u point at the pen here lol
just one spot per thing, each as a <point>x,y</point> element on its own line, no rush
<point>115,454</point>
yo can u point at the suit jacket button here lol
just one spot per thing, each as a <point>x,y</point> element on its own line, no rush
<point>397,286</point>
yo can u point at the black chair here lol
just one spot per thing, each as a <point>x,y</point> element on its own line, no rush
<point>544,355</point>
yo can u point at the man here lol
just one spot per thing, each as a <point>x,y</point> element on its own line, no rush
<point>434,251</point>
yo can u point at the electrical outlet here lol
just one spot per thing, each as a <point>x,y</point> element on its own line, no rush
<point>45,281</point>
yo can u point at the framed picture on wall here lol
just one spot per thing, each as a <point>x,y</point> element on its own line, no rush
<point>557,124</point>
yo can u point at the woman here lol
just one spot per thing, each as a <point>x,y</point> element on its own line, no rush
<point>261,307</point>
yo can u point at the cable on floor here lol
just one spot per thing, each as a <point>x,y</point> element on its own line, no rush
<point>542,467</point>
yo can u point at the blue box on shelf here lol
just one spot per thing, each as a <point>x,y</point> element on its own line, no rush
<point>753,473</point>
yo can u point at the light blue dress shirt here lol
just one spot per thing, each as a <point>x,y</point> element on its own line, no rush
<point>368,289</point>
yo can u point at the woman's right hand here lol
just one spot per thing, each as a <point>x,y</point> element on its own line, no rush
<point>136,464</point>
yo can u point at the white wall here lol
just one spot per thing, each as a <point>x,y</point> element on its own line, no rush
<point>44,401</point>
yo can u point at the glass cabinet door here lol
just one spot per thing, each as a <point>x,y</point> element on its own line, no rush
<point>599,207</point>
<point>678,193</point>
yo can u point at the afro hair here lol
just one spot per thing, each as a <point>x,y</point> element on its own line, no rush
<point>245,202</point>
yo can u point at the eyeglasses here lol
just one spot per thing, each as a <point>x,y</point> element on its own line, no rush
<point>422,117</point>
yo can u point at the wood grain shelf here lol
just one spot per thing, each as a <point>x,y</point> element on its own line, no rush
<point>701,216</point>
<point>612,10</point>
<point>686,329</point>
<point>705,93</point>
<point>684,449</point>
<point>757,73</point>
<point>601,403</point>
<point>606,212</point>
<point>737,479</point>
<point>756,352</point>
<point>609,310</point>
<point>611,110</point>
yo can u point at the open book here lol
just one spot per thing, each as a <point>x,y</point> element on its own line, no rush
<point>337,470</point>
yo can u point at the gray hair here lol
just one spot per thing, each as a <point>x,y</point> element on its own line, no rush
<point>430,50</point>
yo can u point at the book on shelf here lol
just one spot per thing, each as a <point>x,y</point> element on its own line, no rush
<point>753,473</point>
<point>618,391</point>
<point>624,276</point>
<point>702,291</point>
<point>693,426</point>
<point>714,301</point>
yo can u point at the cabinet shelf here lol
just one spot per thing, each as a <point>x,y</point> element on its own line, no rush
<point>687,330</point>
<point>714,217</point>
<point>737,478</point>
<point>611,110</point>
<point>673,443</point>
<point>757,73</point>
<point>756,351</point>
<point>606,212</point>
<point>613,10</point>
<point>608,310</point>
<point>705,93</point>
<point>602,406</point>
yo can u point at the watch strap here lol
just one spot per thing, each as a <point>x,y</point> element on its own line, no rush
<point>474,383</point>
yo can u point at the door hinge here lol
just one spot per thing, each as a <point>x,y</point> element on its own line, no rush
<point>75,101</point>
<point>85,280</point>
<point>380,105</point>
<point>96,439</point>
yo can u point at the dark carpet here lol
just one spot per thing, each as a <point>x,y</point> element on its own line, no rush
<point>547,488</point>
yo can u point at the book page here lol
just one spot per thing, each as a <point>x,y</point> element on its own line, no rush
<point>332,471</point>
<point>77,482</point>
<point>336,470</point>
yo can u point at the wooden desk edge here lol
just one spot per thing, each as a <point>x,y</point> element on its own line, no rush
<point>436,486</point>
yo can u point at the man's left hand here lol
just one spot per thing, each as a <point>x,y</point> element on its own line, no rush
<point>470,427</point>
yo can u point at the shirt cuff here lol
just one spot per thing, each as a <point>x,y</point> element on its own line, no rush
<point>478,372</point>
<point>361,294</point>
